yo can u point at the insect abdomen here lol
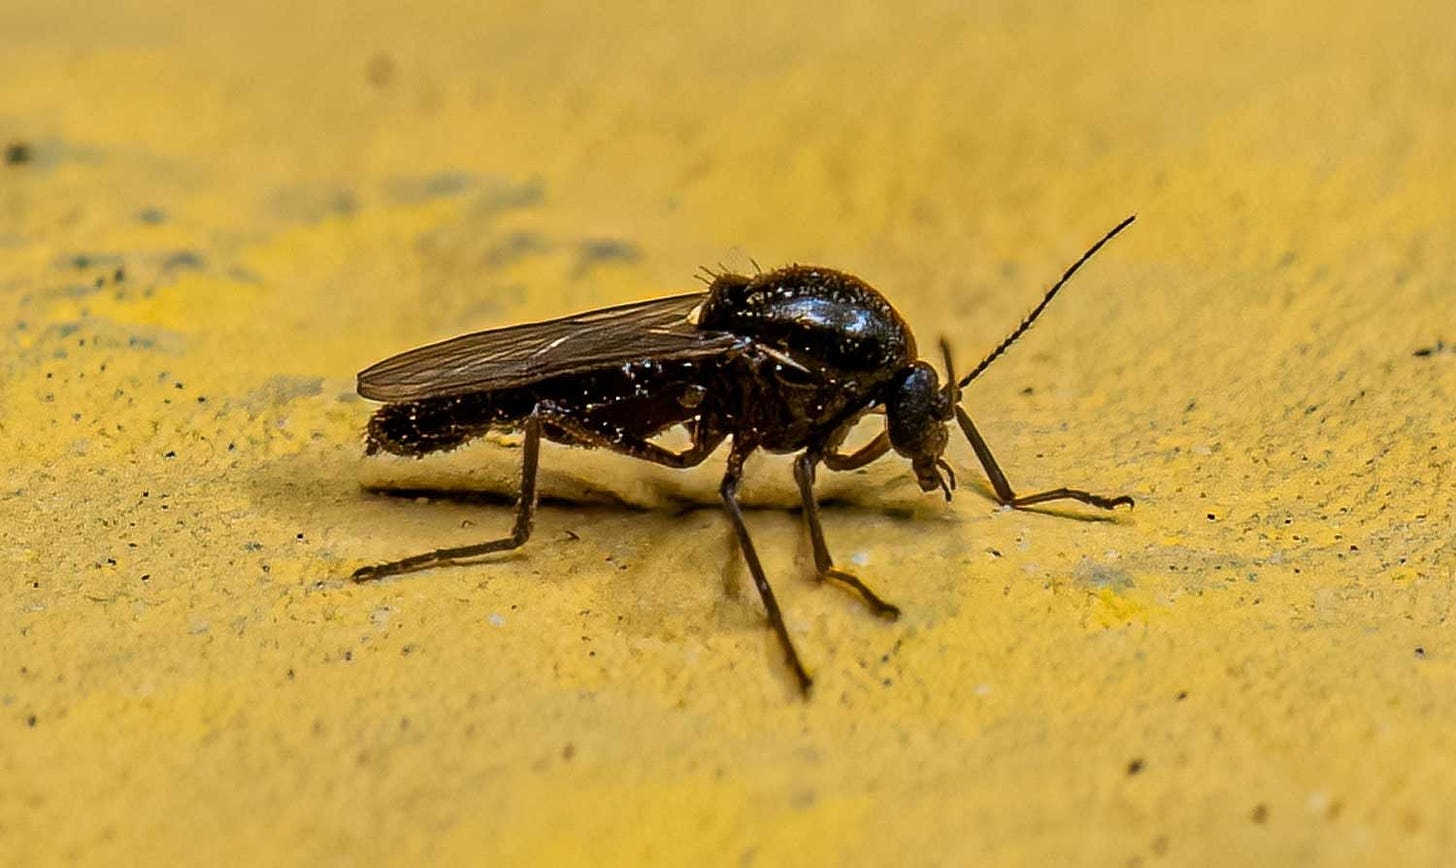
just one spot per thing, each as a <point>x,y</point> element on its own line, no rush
<point>418,428</point>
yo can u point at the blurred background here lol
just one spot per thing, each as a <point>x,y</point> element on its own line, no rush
<point>212,217</point>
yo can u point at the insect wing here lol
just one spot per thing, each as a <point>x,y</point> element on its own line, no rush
<point>663,329</point>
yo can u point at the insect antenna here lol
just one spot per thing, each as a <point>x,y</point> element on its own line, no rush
<point>944,465</point>
<point>1046,300</point>
<point>952,388</point>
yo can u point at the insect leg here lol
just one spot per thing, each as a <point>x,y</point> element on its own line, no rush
<point>729,493</point>
<point>804,475</point>
<point>637,447</point>
<point>1007,496</point>
<point>836,460</point>
<point>520,531</point>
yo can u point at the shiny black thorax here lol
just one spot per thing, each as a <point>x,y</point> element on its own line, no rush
<point>825,346</point>
<point>819,347</point>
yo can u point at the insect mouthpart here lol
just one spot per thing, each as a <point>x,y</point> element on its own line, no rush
<point>928,474</point>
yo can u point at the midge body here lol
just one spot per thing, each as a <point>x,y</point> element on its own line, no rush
<point>787,361</point>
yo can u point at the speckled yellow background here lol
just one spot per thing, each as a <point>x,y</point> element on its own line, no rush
<point>212,215</point>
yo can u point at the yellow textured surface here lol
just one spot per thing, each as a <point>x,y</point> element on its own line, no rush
<point>1255,664</point>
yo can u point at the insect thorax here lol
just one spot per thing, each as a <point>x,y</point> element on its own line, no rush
<point>820,313</point>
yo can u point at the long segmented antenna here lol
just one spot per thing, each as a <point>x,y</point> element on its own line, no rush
<point>1046,300</point>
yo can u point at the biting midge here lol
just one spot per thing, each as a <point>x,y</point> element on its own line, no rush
<point>786,361</point>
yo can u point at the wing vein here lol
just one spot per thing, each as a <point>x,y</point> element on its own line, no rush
<point>660,329</point>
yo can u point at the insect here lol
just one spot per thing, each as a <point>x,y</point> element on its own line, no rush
<point>787,361</point>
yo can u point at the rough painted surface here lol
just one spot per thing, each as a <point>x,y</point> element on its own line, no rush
<point>210,219</point>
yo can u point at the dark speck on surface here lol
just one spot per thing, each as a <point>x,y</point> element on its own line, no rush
<point>514,247</point>
<point>89,260</point>
<point>599,251</point>
<point>380,70</point>
<point>502,194</point>
<point>18,153</point>
<point>313,203</point>
<point>183,259</point>
<point>410,190</point>
<point>152,216</point>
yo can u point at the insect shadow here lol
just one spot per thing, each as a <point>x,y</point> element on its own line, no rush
<point>787,361</point>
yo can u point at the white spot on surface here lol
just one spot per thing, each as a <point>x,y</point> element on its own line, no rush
<point>496,619</point>
<point>982,689</point>
<point>859,559</point>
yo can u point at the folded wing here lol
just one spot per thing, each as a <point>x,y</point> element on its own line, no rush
<point>662,329</point>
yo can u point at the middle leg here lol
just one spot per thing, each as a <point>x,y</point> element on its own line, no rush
<point>804,474</point>
<point>729,493</point>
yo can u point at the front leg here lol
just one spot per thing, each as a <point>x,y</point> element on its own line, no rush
<point>836,460</point>
<point>1007,496</point>
<point>804,474</point>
